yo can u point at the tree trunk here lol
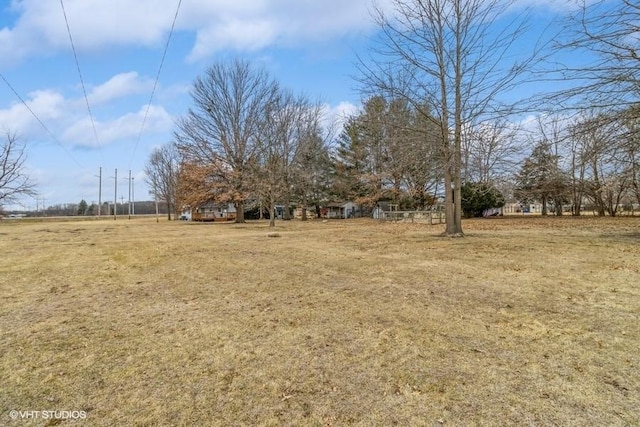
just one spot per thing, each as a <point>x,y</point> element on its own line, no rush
<point>634,178</point>
<point>452,207</point>
<point>304,211</point>
<point>272,212</point>
<point>544,206</point>
<point>455,229</point>
<point>286,215</point>
<point>239,212</point>
<point>453,193</point>
<point>597,191</point>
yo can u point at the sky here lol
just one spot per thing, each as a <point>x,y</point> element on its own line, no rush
<point>309,46</point>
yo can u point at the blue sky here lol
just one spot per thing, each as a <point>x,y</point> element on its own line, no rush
<point>309,46</point>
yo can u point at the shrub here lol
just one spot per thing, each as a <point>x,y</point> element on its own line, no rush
<point>477,197</point>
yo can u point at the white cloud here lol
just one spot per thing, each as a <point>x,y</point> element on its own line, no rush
<point>46,104</point>
<point>41,27</point>
<point>126,127</point>
<point>67,118</point>
<point>334,117</point>
<point>282,23</point>
<point>235,34</point>
<point>120,85</point>
<point>218,24</point>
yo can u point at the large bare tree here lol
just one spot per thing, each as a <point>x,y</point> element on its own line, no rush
<point>13,180</point>
<point>222,128</point>
<point>162,170</point>
<point>451,59</point>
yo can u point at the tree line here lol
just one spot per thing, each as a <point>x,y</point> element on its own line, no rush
<point>437,122</point>
<point>587,160</point>
<point>433,126</point>
<point>84,208</point>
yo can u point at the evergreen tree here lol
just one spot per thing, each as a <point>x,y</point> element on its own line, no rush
<point>477,197</point>
<point>541,179</point>
<point>82,207</point>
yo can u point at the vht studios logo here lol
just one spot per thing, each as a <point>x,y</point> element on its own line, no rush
<point>48,415</point>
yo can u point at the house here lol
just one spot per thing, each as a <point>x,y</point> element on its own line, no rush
<point>212,212</point>
<point>340,210</point>
<point>520,208</point>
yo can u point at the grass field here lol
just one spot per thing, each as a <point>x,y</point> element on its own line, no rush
<point>525,321</point>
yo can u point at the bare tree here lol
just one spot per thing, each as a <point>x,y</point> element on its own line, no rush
<point>450,60</point>
<point>552,130</point>
<point>631,121</point>
<point>222,128</point>
<point>290,123</point>
<point>162,170</point>
<point>576,148</point>
<point>606,89</point>
<point>604,151</point>
<point>13,180</point>
<point>608,32</point>
<point>490,151</point>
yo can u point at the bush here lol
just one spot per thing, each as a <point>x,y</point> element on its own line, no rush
<point>477,197</point>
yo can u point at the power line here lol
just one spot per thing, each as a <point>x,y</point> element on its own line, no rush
<point>84,90</point>
<point>155,83</point>
<point>40,121</point>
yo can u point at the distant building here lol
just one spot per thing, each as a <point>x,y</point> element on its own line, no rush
<point>210,212</point>
<point>341,210</point>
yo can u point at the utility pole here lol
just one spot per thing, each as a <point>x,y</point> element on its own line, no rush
<point>133,203</point>
<point>38,206</point>
<point>100,192</point>
<point>115,196</point>
<point>129,193</point>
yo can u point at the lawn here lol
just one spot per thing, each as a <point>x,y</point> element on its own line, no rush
<point>525,321</point>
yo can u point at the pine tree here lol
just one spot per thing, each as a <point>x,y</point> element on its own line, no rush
<point>541,179</point>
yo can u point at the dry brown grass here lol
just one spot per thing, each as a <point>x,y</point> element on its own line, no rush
<point>522,322</point>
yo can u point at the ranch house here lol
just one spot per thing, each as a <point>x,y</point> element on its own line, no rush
<point>211,212</point>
